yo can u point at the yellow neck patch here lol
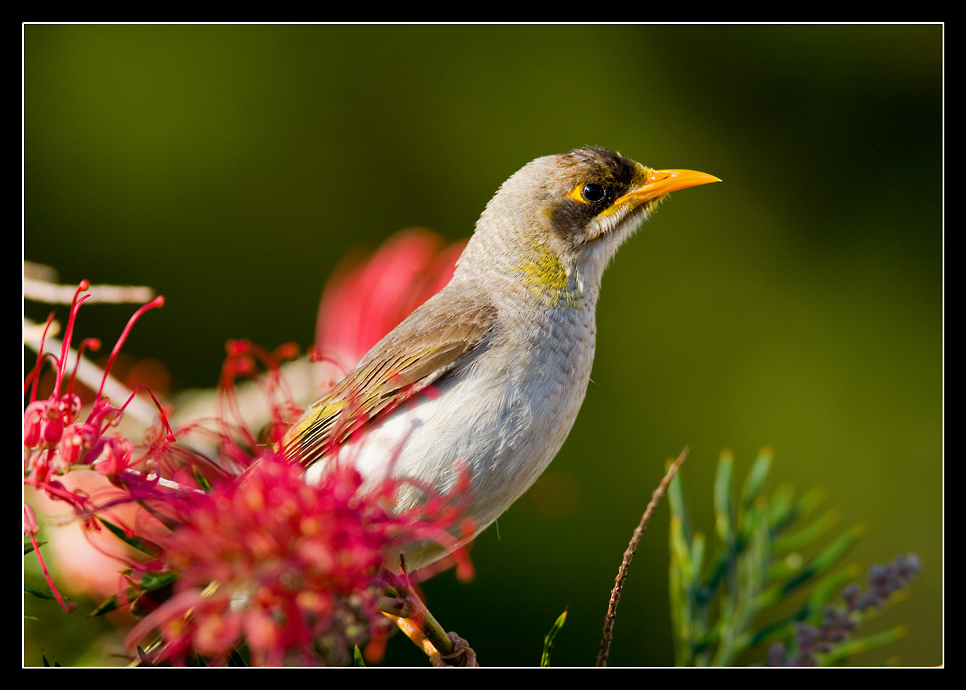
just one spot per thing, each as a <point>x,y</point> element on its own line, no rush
<point>548,278</point>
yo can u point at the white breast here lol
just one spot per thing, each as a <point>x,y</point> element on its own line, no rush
<point>505,413</point>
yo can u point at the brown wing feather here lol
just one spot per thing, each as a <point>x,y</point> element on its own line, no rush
<point>415,355</point>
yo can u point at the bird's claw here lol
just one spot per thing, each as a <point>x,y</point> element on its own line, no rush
<point>462,655</point>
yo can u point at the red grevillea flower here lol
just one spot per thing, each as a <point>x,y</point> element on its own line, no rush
<point>291,569</point>
<point>55,439</point>
<point>252,555</point>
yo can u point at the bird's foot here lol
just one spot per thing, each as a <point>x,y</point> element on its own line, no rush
<point>406,609</point>
<point>462,655</point>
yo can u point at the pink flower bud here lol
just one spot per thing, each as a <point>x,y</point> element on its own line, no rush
<point>33,423</point>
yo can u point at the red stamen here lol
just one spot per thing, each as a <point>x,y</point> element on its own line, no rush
<point>156,302</point>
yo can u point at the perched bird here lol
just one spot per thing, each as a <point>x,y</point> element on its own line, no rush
<point>492,370</point>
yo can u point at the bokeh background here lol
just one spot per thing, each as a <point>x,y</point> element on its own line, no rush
<point>798,304</point>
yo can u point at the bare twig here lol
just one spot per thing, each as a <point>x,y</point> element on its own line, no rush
<point>615,594</point>
<point>39,286</point>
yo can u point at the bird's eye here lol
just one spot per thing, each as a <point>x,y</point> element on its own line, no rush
<point>593,192</point>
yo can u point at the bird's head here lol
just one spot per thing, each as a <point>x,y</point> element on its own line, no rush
<point>563,217</point>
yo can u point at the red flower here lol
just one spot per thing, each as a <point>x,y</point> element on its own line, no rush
<point>281,564</point>
<point>54,439</point>
<point>257,556</point>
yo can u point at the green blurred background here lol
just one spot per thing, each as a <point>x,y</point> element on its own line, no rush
<point>798,304</point>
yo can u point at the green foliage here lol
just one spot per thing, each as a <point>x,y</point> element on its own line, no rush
<point>40,592</point>
<point>158,584</point>
<point>548,640</point>
<point>28,547</point>
<point>130,539</point>
<point>719,600</point>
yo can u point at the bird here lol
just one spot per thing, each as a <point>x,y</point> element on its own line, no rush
<point>488,375</point>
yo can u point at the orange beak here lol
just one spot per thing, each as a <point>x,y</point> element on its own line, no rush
<point>661,182</point>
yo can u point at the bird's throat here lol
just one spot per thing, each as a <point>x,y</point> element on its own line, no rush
<point>549,277</point>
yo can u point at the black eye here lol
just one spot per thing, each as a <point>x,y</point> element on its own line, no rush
<point>593,192</point>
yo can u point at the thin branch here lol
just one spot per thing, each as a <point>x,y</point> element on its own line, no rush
<point>615,594</point>
<point>39,287</point>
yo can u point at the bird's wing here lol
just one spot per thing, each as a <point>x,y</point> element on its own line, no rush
<point>415,355</point>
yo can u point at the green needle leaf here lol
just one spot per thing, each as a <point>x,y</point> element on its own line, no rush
<point>548,640</point>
